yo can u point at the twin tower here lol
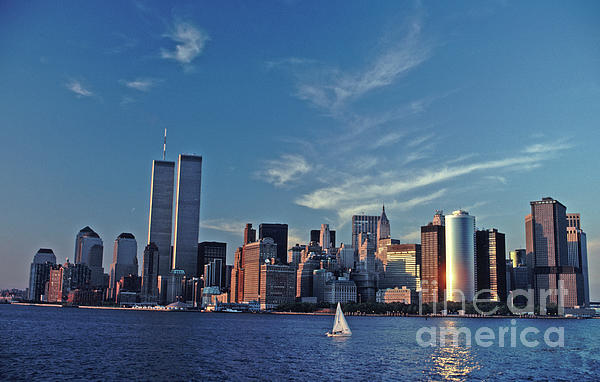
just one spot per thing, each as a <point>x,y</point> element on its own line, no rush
<point>184,253</point>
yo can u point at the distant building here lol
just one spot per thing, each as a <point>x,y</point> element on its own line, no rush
<point>491,264</point>
<point>279,234</point>
<point>208,251</point>
<point>277,285</point>
<point>363,224</point>
<point>249,234</point>
<point>254,256</point>
<point>403,267</point>
<point>127,290</point>
<point>383,227</point>
<point>346,258</point>
<point>54,289</point>
<point>160,217</point>
<point>89,250</point>
<point>433,260</point>
<point>39,273</point>
<point>340,291</point>
<point>577,253</point>
<point>518,257</point>
<point>149,290</point>
<point>315,237</point>
<point>320,279</point>
<point>460,256</point>
<point>397,295</point>
<point>325,237</point>
<point>124,261</point>
<point>237,277</point>
<point>67,278</point>
<point>295,255</point>
<point>546,237</point>
<point>214,274</point>
<point>304,277</point>
<point>187,214</point>
<point>174,284</point>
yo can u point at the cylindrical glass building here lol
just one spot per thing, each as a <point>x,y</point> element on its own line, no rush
<point>460,256</point>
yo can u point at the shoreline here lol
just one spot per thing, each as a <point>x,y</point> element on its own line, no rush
<point>348,314</point>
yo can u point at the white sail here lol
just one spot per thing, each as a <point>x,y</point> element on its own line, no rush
<point>340,326</point>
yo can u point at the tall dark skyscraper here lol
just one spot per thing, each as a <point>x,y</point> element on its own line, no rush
<point>149,274</point>
<point>187,214</point>
<point>363,224</point>
<point>161,212</point>
<point>209,251</point>
<point>315,235</point>
<point>577,249</point>
<point>39,274</point>
<point>279,234</point>
<point>433,261</point>
<point>546,238</point>
<point>89,250</point>
<point>491,264</point>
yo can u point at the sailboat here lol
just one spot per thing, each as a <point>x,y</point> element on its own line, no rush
<point>340,326</point>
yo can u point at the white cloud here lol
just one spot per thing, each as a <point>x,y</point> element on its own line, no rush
<point>547,147</point>
<point>497,178</point>
<point>224,226</point>
<point>190,42</point>
<point>331,88</point>
<point>283,170</point>
<point>77,88</point>
<point>141,84</point>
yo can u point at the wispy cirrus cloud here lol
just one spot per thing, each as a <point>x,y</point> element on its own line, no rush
<point>190,42</point>
<point>379,187</point>
<point>547,147</point>
<point>77,87</point>
<point>332,88</point>
<point>283,170</point>
<point>141,84</point>
<point>223,225</point>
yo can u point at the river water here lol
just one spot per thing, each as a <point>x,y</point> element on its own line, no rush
<point>48,343</point>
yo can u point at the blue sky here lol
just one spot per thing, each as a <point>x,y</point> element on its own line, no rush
<point>305,113</point>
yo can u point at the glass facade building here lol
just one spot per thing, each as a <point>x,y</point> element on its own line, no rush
<point>460,256</point>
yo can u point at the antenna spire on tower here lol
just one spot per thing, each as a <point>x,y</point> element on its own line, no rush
<point>165,145</point>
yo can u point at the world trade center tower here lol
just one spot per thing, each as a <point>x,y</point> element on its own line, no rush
<point>161,212</point>
<point>187,214</point>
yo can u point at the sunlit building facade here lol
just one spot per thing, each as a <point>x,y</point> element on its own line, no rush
<point>460,256</point>
<point>491,264</point>
<point>433,261</point>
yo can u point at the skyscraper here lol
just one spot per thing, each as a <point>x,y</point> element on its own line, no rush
<point>547,238</point>
<point>237,277</point>
<point>433,261</point>
<point>209,251</point>
<point>161,212</point>
<point>491,264</point>
<point>39,274</point>
<point>403,267</point>
<point>363,224</point>
<point>89,250</point>
<point>254,256</point>
<point>460,256</point>
<point>518,257</point>
<point>279,234</point>
<point>324,237</point>
<point>383,227</point>
<point>150,274</point>
<point>315,236</point>
<point>577,249</point>
<point>124,261</point>
<point>249,234</point>
<point>187,214</point>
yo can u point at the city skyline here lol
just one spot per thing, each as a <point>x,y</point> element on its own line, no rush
<point>526,154</point>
